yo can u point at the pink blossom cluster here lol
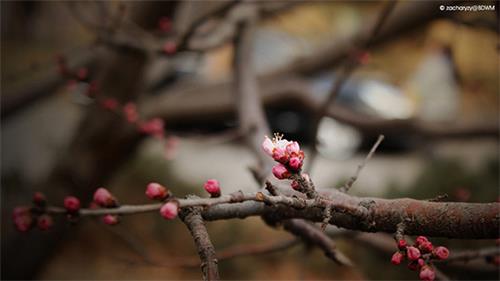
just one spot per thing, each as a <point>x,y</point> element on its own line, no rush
<point>420,256</point>
<point>25,217</point>
<point>170,208</point>
<point>103,198</point>
<point>287,153</point>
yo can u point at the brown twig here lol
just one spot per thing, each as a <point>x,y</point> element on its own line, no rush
<point>194,221</point>
<point>352,180</point>
<point>313,235</point>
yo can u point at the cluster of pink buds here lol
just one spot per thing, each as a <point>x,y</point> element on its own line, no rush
<point>25,217</point>
<point>103,198</point>
<point>81,75</point>
<point>153,127</point>
<point>287,153</point>
<point>420,256</point>
<point>170,208</point>
<point>212,187</point>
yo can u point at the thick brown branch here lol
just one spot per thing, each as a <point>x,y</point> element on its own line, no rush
<point>437,219</point>
<point>206,251</point>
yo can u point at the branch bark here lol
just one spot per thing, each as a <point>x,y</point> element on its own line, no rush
<point>193,220</point>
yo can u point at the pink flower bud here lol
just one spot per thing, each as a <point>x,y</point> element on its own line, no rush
<point>156,191</point>
<point>165,24</point>
<point>402,244</point>
<point>280,155</point>
<point>24,222</point>
<point>109,103</point>
<point>82,73</point>
<point>413,265</point>
<point>130,110</point>
<point>169,48</point>
<point>72,204</point>
<point>268,146</point>
<point>427,274</point>
<point>44,222</point>
<point>397,258</point>
<point>110,219</point>
<point>93,205</point>
<point>212,186</point>
<point>295,163</point>
<point>412,253</point>
<point>426,247</point>
<point>295,185</point>
<point>39,199</point>
<point>104,198</point>
<point>169,210</point>
<point>20,211</point>
<point>280,172</point>
<point>152,127</point>
<point>293,148</point>
<point>441,253</point>
<point>92,89</point>
<point>420,240</point>
<point>420,262</point>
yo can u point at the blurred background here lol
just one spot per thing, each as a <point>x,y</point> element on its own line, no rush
<point>428,81</point>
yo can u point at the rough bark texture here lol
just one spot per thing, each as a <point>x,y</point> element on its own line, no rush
<point>435,219</point>
<point>193,220</point>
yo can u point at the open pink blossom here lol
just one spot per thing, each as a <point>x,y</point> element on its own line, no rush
<point>293,147</point>
<point>268,146</point>
<point>212,186</point>
<point>156,191</point>
<point>281,172</point>
<point>170,210</point>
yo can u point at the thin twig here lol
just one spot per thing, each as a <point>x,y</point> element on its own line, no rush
<point>350,182</point>
<point>344,74</point>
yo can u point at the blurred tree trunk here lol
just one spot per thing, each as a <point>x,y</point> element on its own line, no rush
<point>103,142</point>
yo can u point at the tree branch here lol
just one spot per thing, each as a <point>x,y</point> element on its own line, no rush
<point>435,219</point>
<point>193,220</point>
